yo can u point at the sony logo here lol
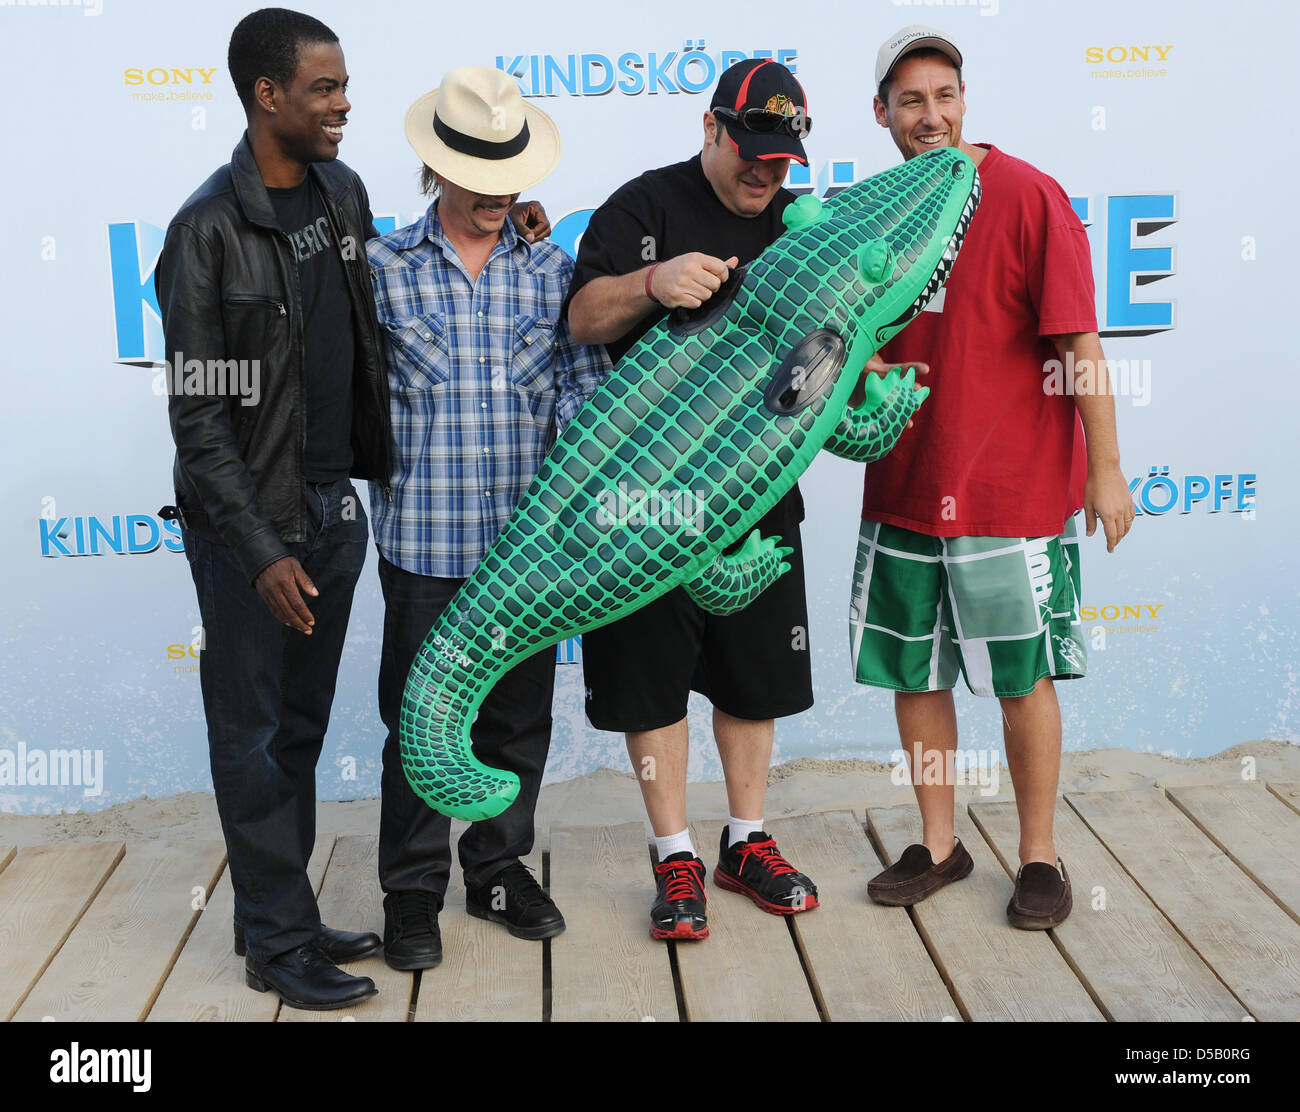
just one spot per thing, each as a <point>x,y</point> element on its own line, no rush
<point>1098,54</point>
<point>160,76</point>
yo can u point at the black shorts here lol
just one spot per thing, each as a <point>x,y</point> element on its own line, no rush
<point>753,664</point>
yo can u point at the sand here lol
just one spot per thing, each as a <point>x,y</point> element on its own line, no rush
<point>610,796</point>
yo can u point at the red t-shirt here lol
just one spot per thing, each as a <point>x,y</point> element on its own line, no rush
<point>991,454</point>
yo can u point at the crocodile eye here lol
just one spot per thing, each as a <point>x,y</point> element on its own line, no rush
<point>806,374</point>
<point>802,212</point>
<point>875,261</point>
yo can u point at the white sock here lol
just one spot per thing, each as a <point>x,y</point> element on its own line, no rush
<point>675,843</point>
<point>739,830</point>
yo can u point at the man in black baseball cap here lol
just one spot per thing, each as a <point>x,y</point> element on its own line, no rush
<point>763,110</point>
<point>669,240</point>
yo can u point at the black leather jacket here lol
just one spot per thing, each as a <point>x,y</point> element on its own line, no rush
<point>227,284</point>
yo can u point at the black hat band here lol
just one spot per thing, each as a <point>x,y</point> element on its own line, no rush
<point>480,148</point>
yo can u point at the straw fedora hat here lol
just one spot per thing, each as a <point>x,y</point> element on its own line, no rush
<point>476,130</point>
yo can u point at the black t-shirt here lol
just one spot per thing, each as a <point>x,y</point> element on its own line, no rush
<point>662,214</point>
<point>328,352</point>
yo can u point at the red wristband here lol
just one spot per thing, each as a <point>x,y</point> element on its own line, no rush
<point>648,275</point>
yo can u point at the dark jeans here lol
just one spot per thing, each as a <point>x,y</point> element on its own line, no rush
<point>512,731</point>
<point>267,691</point>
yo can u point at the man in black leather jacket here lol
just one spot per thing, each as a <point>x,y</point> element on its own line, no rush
<point>277,395</point>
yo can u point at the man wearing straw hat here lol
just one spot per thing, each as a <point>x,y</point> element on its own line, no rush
<point>482,372</point>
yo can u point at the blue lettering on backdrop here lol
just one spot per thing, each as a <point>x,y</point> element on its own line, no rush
<point>568,76</point>
<point>1126,266</point>
<point>1122,261</point>
<point>125,535</point>
<point>633,81</point>
<point>659,72</point>
<point>98,532</point>
<point>692,69</point>
<point>568,230</point>
<point>137,318</point>
<point>836,175</point>
<point>696,71</point>
<point>799,179</point>
<point>1159,493</point>
<point>52,534</point>
<point>593,88</point>
<point>139,326</point>
<point>133,251</point>
<point>1126,218</point>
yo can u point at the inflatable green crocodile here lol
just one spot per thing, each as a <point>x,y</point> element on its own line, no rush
<point>699,430</point>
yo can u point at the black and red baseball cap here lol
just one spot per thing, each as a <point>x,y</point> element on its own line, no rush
<point>763,109</point>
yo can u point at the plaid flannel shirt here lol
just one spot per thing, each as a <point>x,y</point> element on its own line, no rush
<point>482,375</point>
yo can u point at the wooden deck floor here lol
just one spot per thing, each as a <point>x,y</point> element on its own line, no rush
<point>1186,907</point>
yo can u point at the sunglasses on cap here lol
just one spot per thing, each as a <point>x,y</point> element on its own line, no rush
<point>763,121</point>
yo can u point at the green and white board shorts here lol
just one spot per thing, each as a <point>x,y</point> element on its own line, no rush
<point>1005,610</point>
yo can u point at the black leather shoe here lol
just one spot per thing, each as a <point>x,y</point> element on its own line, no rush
<point>338,946</point>
<point>1042,897</point>
<point>915,875</point>
<point>412,939</point>
<point>513,897</point>
<point>305,978</point>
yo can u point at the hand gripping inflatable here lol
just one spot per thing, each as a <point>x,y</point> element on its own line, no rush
<point>700,430</point>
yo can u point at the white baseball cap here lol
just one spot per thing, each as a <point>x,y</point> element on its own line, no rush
<point>915,37</point>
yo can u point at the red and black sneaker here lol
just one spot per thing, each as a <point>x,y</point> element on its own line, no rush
<point>678,911</point>
<point>755,868</point>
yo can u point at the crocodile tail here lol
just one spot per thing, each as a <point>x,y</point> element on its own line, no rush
<point>475,641</point>
<point>439,703</point>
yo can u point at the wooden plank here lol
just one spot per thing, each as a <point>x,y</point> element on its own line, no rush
<point>1253,827</point>
<point>351,900</point>
<point>121,949</point>
<point>867,960</point>
<point>996,972</point>
<point>1288,791</point>
<point>486,973</point>
<point>1118,942</point>
<point>43,893</point>
<point>1250,942</point>
<point>605,966</point>
<point>748,967</point>
<point>207,981</point>
<point>7,854</point>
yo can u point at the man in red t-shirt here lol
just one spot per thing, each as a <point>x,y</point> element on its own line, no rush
<point>968,559</point>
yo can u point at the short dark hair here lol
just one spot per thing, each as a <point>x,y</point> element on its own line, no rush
<point>428,185</point>
<point>265,44</point>
<point>924,52</point>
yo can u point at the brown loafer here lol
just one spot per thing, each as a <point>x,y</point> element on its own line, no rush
<point>1042,897</point>
<point>915,875</point>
